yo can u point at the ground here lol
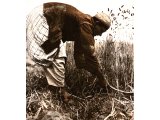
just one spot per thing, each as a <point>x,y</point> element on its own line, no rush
<point>90,102</point>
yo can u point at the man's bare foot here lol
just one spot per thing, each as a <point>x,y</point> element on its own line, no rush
<point>64,94</point>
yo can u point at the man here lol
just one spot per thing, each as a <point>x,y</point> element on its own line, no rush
<point>48,28</point>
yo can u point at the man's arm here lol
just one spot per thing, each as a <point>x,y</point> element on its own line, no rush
<point>88,48</point>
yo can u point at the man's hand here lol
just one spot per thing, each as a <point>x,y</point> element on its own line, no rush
<point>43,62</point>
<point>101,80</point>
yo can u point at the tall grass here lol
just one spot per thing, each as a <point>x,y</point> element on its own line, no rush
<point>116,60</point>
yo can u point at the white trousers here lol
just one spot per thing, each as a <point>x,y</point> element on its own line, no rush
<point>36,35</point>
<point>56,73</point>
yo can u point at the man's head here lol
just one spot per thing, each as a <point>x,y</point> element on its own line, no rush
<point>102,23</point>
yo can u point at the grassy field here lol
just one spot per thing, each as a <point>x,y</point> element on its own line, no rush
<point>116,60</point>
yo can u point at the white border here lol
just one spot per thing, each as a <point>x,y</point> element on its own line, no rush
<point>12,61</point>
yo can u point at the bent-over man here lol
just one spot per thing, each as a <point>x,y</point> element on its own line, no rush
<point>49,26</point>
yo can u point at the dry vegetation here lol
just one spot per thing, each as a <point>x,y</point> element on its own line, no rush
<point>90,102</point>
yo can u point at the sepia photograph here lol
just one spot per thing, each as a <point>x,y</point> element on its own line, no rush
<point>80,60</point>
